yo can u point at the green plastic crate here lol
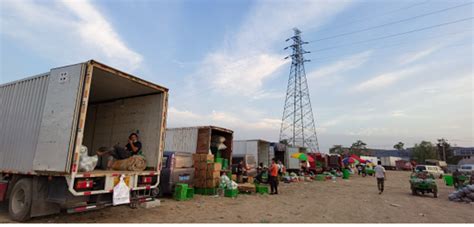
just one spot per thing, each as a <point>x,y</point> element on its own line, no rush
<point>219,160</point>
<point>211,191</point>
<point>262,189</point>
<point>190,193</point>
<point>231,192</point>
<point>180,192</point>
<point>225,163</point>
<point>218,154</point>
<point>320,177</point>
<point>199,191</point>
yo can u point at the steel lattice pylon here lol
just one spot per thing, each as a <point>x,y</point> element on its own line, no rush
<point>298,127</point>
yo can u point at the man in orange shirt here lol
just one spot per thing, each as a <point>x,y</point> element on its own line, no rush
<point>273,178</point>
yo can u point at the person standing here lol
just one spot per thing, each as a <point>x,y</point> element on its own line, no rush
<point>380,175</point>
<point>273,178</point>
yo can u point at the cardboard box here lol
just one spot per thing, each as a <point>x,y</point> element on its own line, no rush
<point>212,183</point>
<point>199,183</point>
<point>234,177</point>
<point>207,158</point>
<point>201,166</point>
<point>217,166</point>
<point>200,174</point>
<point>250,180</point>
<point>214,166</point>
<point>196,158</point>
<point>213,174</point>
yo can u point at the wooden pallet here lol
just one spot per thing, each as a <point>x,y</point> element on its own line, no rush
<point>246,188</point>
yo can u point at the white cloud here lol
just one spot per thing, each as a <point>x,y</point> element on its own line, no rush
<point>245,60</point>
<point>73,30</point>
<point>413,57</point>
<point>341,66</point>
<point>183,118</point>
<point>386,79</point>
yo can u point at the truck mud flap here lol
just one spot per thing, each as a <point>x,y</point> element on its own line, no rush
<point>40,205</point>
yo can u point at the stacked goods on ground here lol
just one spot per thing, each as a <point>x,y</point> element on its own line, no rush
<point>202,140</point>
<point>206,174</point>
<point>464,194</point>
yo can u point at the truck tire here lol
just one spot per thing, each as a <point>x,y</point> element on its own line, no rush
<point>19,204</point>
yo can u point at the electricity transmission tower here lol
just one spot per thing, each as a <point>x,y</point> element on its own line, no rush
<point>298,127</point>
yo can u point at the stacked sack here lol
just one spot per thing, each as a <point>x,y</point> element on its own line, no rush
<point>465,194</point>
<point>86,163</point>
<point>217,142</point>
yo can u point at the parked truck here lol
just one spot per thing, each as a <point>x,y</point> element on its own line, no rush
<point>292,164</point>
<point>47,118</point>
<point>260,149</point>
<point>199,140</point>
<point>389,162</point>
<point>335,161</point>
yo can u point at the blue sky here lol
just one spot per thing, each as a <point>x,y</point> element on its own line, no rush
<point>223,61</point>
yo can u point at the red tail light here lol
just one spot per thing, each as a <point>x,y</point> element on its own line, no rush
<point>147,180</point>
<point>84,184</point>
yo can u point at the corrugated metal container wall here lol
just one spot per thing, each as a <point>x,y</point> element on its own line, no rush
<point>292,163</point>
<point>181,139</point>
<point>244,147</point>
<point>22,104</point>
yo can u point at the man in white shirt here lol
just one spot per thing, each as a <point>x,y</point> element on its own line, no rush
<point>380,175</point>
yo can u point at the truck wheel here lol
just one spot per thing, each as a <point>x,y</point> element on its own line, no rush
<point>19,204</point>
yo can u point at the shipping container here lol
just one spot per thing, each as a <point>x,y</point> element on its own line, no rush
<point>292,164</point>
<point>46,119</point>
<point>258,148</point>
<point>198,140</point>
<point>389,162</point>
<point>372,159</point>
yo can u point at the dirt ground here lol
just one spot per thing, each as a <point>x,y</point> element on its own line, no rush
<point>345,201</point>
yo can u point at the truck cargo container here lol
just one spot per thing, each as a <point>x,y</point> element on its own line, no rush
<point>292,164</point>
<point>372,159</point>
<point>260,149</point>
<point>403,165</point>
<point>198,140</point>
<point>335,161</point>
<point>389,162</point>
<point>320,163</point>
<point>47,118</point>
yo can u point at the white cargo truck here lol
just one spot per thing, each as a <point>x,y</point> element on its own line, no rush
<point>47,118</point>
<point>389,162</point>
<point>258,148</point>
<point>292,164</point>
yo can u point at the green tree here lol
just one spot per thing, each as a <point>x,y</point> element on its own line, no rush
<point>358,148</point>
<point>424,150</point>
<point>336,149</point>
<point>446,152</point>
<point>399,146</point>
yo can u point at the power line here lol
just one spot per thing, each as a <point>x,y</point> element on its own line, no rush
<point>395,35</point>
<point>391,46</point>
<point>391,23</point>
<point>345,57</point>
<point>371,17</point>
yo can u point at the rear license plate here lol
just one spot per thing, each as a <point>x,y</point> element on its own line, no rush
<point>184,178</point>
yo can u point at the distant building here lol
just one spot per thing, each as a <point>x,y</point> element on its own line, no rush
<point>404,154</point>
<point>467,154</point>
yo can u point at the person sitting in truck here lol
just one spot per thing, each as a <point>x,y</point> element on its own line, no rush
<point>134,145</point>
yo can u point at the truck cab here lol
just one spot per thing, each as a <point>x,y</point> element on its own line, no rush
<point>176,167</point>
